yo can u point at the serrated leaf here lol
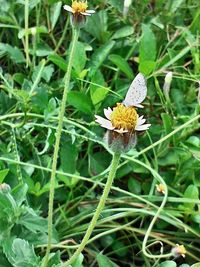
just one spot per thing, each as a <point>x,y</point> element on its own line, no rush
<point>122,65</point>
<point>14,53</point>
<point>21,254</point>
<point>32,221</point>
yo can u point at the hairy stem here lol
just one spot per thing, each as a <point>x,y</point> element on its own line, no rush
<point>57,144</point>
<point>111,175</point>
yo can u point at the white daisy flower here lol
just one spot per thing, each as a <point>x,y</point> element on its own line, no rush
<point>79,9</point>
<point>122,119</point>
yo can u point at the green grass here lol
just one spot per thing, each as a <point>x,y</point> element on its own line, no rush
<point>156,37</point>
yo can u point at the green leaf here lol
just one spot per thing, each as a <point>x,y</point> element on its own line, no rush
<point>42,71</point>
<point>97,90</point>
<point>32,221</point>
<point>123,32</point>
<point>121,63</point>
<point>80,101</point>
<point>3,174</point>
<point>58,61</point>
<point>167,264</point>
<point>79,58</point>
<point>78,262</point>
<point>21,254</point>
<point>191,192</point>
<point>196,264</point>
<point>116,4</point>
<point>14,53</point>
<point>33,30</point>
<point>55,13</point>
<point>105,261</point>
<point>99,56</point>
<point>175,5</point>
<point>19,193</point>
<point>99,19</point>
<point>134,186</point>
<point>44,50</point>
<point>7,205</point>
<point>68,151</point>
<point>147,50</point>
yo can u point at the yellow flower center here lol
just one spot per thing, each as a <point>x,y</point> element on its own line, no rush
<point>181,249</point>
<point>79,6</point>
<point>124,117</point>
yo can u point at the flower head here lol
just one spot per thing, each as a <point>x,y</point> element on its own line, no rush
<point>160,188</point>
<point>79,11</point>
<point>123,121</point>
<point>179,250</point>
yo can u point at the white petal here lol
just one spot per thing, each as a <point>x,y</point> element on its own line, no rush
<point>142,127</point>
<point>107,112</point>
<point>140,121</point>
<point>104,123</point>
<point>138,105</point>
<point>85,14</point>
<point>90,11</point>
<point>121,130</point>
<point>68,8</point>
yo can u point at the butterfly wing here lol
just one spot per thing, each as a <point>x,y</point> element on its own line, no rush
<point>136,92</point>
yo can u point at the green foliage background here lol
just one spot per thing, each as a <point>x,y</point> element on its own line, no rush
<point>155,37</point>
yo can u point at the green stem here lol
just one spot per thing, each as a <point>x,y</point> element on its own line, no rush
<point>26,15</point>
<point>111,175</point>
<point>148,232</point>
<point>57,144</point>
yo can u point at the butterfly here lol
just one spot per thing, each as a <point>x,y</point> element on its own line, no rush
<point>136,92</point>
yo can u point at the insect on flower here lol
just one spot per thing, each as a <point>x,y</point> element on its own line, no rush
<point>79,11</point>
<point>123,121</point>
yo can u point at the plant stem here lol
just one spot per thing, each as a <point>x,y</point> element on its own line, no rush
<point>111,175</point>
<point>148,232</point>
<point>26,15</point>
<point>57,144</point>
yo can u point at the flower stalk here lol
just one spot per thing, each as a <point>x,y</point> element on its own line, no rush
<point>111,176</point>
<point>57,144</point>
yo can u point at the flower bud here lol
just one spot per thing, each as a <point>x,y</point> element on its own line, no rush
<point>167,84</point>
<point>127,4</point>
<point>178,251</point>
<point>5,188</point>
